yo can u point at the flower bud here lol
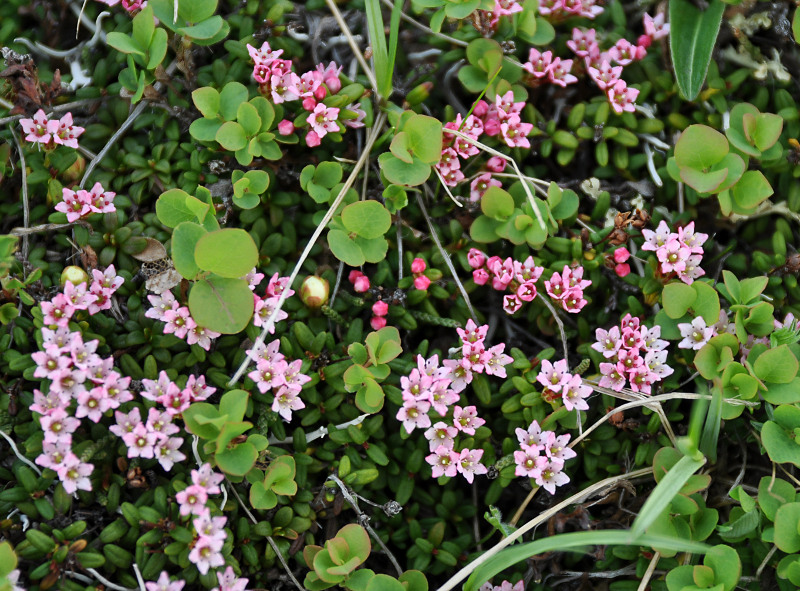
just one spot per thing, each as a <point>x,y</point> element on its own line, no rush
<point>314,291</point>
<point>286,127</point>
<point>309,103</point>
<point>380,308</point>
<point>480,276</point>
<point>419,94</point>
<point>377,322</point>
<point>333,83</point>
<point>622,269</point>
<point>475,258</point>
<point>361,284</point>
<point>422,283</point>
<point>621,255</point>
<point>418,266</point>
<point>75,275</point>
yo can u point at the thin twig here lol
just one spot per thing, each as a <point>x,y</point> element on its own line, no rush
<point>139,577</point>
<point>20,457</point>
<point>24,232</point>
<point>539,519</point>
<point>270,323</point>
<point>102,579</point>
<point>445,254</point>
<point>336,285</point>
<point>352,42</point>
<point>399,225</point>
<point>26,211</point>
<point>55,109</point>
<point>648,574</point>
<point>363,519</point>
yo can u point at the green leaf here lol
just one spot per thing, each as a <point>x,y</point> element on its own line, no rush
<point>237,461</point>
<point>176,206</point>
<point>704,182</point>
<point>207,29</point>
<point>124,44</point>
<point>788,393</point>
<point>233,94</point>
<point>231,136</point>
<point>229,252</point>
<point>707,302</point>
<point>357,540</point>
<point>381,582</point>
<point>261,497</point>
<point>725,563</point>
<point>777,365</point>
<point>768,128</point>
<point>143,28</point>
<point>221,304</point>
<point>401,148</point>
<point>664,492</point>
<point>484,229</point>
<point>234,404</point>
<point>780,445</point>
<point>424,138</point>
<point>774,493</point>
<point>402,173</point>
<point>497,203</point>
<point>204,429</point>
<point>158,49</point>
<point>373,249</point>
<point>328,174</point>
<point>368,219</point>
<point>345,249</point>
<point>678,298</point>
<point>184,239</point>
<point>195,11</point>
<point>692,36</point>
<point>700,146</point>
<point>573,540</point>
<point>204,130</point>
<point>752,189</point>
<point>247,117</point>
<point>266,112</point>
<point>380,54</point>
<point>787,537</point>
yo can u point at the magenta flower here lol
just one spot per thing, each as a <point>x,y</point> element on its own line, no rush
<point>621,97</point>
<point>75,205</point>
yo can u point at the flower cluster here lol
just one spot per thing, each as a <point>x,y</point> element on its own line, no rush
<point>174,399</point>
<point>277,81</point>
<point>678,252</point>
<point>634,353</point>
<point>51,132</point>
<point>502,118</point>
<point>266,305</point>
<point>150,439</point>
<point>559,383</point>
<point>178,320</point>
<point>545,469</point>
<point>59,311</point>
<point>81,203</point>
<point>542,66</point>
<point>273,372</point>
<point>76,374</point>
<point>558,10</point>
<point>210,531</point>
<point>519,278</point>
<point>567,288</point>
<point>431,386</point>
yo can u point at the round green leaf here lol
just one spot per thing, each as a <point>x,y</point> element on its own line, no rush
<point>237,461</point>
<point>787,537</point>
<point>400,173</point>
<point>700,147</point>
<point>777,365</point>
<point>345,249</point>
<point>204,130</point>
<point>368,219</point>
<point>752,189</point>
<point>247,116</point>
<point>184,240</point>
<point>233,94</point>
<point>678,298</point>
<point>497,203</point>
<point>231,136</point>
<point>725,563</point>
<point>229,252</point>
<point>221,304</point>
<point>206,100</point>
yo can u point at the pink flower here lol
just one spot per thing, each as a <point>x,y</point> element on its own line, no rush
<point>164,584</point>
<point>441,434</point>
<point>39,129</point>
<point>480,185</point>
<point>621,97</point>
<point>622,269</point>
<point>418,266</point>
<point>574,394</point>
<point>527,460</point>
<point>548,474</point>
<point>621,255</point>
<point>414,414</point>
<point>472,333</point>
<point>166,452</point>
<point>360,283</point>
<point>559,72</point>
<point>605,76</point>
<point>612,378</point>
<point>533,437</point>
<point>496,164</point>
<point>178,322</point>
<point>480,276</point>
<point>67,133</point>
<point>192,500</point>
<point>624,53</point>
<point>513,131</point>
<point>695,334</point>
<point>228,581</point>
<point>312,139</point>
<point>101,201</point>
<point>380,308</point>
<point>74,474</point>
<point>201,336</point>
<point>469,463</point>
<point>583,43</point>
<point>554,376</point>
<point>538,64</point>
<point>466,419</point>
<point>655,28</point>
<point>476,258</point>
<point>206,554</point>
<point>75,205</point>
<point>323,120</point>
<point>286,401</point>
<point>511,303</point>
<point>265,55</point>
<point>377,322</point>
<point>444,462</point>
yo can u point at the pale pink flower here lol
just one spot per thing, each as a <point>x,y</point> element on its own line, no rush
<point>74,474</point>
<point>469,464</point>
<point>605,76</point>
<point>621,97</point>
<point>286,401</point>
<point>323,120</point>
<point>441,434</point>
<point>466,419</point>
<point>538,64</point>
<point>444,462</point>
<point>548,474</point>
<point>67,133</point>
<point>164,584</point>
<point>39,129</point>
<point>559,72</point>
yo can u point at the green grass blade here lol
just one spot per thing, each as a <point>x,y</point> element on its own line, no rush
<point>380,55</point>
<point>663,494</point>
<point>394,32</point>
<point>692,36</point>
<point>710,436</point>
<point>573,541</point>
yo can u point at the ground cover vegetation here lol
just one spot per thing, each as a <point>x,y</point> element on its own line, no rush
<point>399,295</point>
